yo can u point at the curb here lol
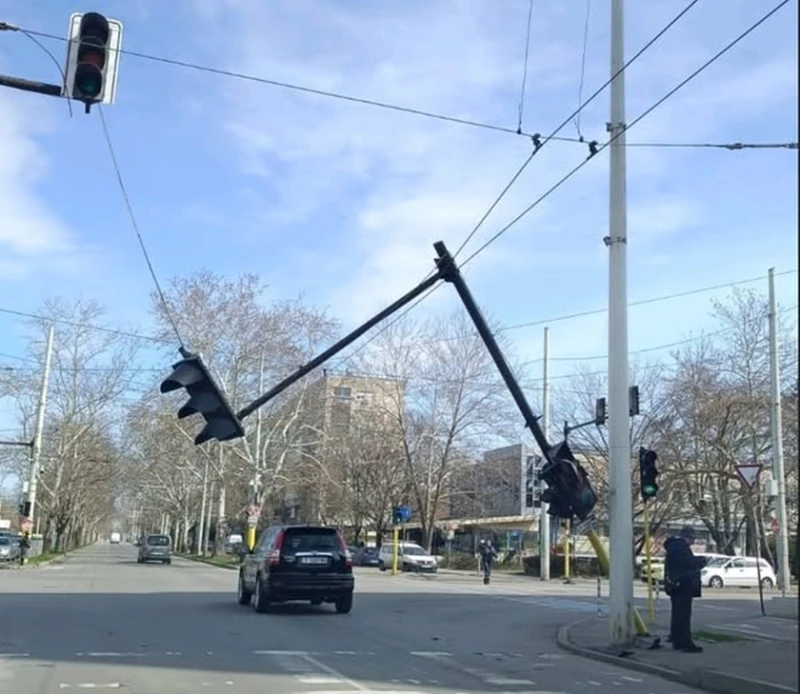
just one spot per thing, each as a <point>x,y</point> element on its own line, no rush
<point>710,680</point>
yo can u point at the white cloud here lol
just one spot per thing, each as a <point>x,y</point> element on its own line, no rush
<point>380,187</point>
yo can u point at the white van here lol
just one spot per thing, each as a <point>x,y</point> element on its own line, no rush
<point>115,538</point>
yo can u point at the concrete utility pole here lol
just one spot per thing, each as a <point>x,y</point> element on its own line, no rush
<point>778,472</point>
<point>544,519</point>
<point>37,435</point>
<point>621,610</point>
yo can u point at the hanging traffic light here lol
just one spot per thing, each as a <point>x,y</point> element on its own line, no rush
<point>92,59</point>
<point>569,492</point>
<point>648,473</point>
<point>205,398</point>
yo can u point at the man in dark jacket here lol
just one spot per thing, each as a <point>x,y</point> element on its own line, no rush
<point>682,581</point>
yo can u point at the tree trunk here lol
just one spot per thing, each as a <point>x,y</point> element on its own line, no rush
<point>219,536</point>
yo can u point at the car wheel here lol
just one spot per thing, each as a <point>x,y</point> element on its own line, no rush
<point>715,582</point>
<point>316,602</point>
<point>381,566</point>
<point>260,599</point>
<point>766,583</point>
<point>168,561</point>
<point>139,560</point>
<point>344,604</point>
<point>243,595</point>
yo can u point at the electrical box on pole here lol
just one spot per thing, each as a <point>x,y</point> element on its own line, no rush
<point>93,52</point>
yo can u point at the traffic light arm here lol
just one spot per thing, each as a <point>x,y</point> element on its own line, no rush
<point>30,86</point>
<point>334,349</point>
<point>446,270</point>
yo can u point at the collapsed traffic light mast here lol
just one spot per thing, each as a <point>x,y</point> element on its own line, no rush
<point>569,492</point>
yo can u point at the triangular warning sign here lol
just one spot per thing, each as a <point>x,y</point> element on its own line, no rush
<point>749,473</point>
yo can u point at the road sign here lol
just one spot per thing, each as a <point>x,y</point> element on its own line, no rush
<point>749,472</point>
<point>26,525</point>
<point>253,511</point>
<point>404,512</point>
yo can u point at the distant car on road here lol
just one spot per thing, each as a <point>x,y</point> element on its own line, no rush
<point>115,538</point>
<point>156,548</point>
<point>293,562</point>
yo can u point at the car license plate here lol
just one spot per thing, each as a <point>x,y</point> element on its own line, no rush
<point>314,560</point>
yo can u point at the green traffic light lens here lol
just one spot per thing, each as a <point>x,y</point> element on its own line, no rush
<point>649,489</point>
<point>88,82</point>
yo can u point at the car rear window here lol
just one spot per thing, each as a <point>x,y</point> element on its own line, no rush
<point>5,541</point>
<point>158,540</point>
<point>310,540</point>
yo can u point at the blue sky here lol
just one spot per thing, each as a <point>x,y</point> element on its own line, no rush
<point>341,202</point>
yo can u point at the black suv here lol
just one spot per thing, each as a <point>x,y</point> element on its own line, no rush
<point>297,562</point>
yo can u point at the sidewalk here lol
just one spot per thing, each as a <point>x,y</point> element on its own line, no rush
<point>730,664</point>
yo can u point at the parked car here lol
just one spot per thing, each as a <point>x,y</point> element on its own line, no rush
<point>410,557</point>
<point>740,572</point>
<point>293,562</point>
<point>156,548</point>
<point>9,548</point>
<point>367,556</point>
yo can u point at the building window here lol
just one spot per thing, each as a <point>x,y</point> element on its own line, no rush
<point>342,392</point>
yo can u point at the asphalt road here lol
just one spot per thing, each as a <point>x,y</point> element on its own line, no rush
<point>99,621</point>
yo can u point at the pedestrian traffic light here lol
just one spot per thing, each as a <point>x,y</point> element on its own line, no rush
<point>205,398</point>
<point>92,59</point>
<point>648,473</point>
<point>397,516</point>
<point>569,492</point>
<point>25,509</point>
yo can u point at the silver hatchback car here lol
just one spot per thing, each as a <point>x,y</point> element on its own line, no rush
<point>156,548</point>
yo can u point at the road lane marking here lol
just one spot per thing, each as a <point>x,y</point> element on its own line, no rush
<point>15,655</point>
<point>91,685</point>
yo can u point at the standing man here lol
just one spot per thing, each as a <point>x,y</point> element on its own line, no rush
<point>488,554</point>
<point>682,584</point>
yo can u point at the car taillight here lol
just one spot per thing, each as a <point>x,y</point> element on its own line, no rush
<point>275,555</point>
<point>348,558</point>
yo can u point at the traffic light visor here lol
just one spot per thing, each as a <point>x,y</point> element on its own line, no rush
<point>185,373</point>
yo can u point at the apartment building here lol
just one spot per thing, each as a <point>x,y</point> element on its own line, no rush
<point>333,406</point>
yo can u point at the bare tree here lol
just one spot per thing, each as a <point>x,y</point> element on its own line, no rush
<point>575,403</point>
<point>451,400</point>
<point>90,372</point>
<point>247,345</point>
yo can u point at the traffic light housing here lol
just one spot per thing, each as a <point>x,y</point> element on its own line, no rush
<point>25,509</point>
<point>92,59</point>
<point>205,398</point>
<point>397,516</point>
<point>648,473</point>
<point>569,492</point>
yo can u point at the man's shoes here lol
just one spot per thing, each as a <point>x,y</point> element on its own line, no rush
<point>691,648</point>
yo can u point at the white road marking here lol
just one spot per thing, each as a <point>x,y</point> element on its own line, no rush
<point>90,685</point>
<point>109,655</point>
<point>333,673</point>
<point>500,681</point>
<point>318,679</point>
<point>15,655</point>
